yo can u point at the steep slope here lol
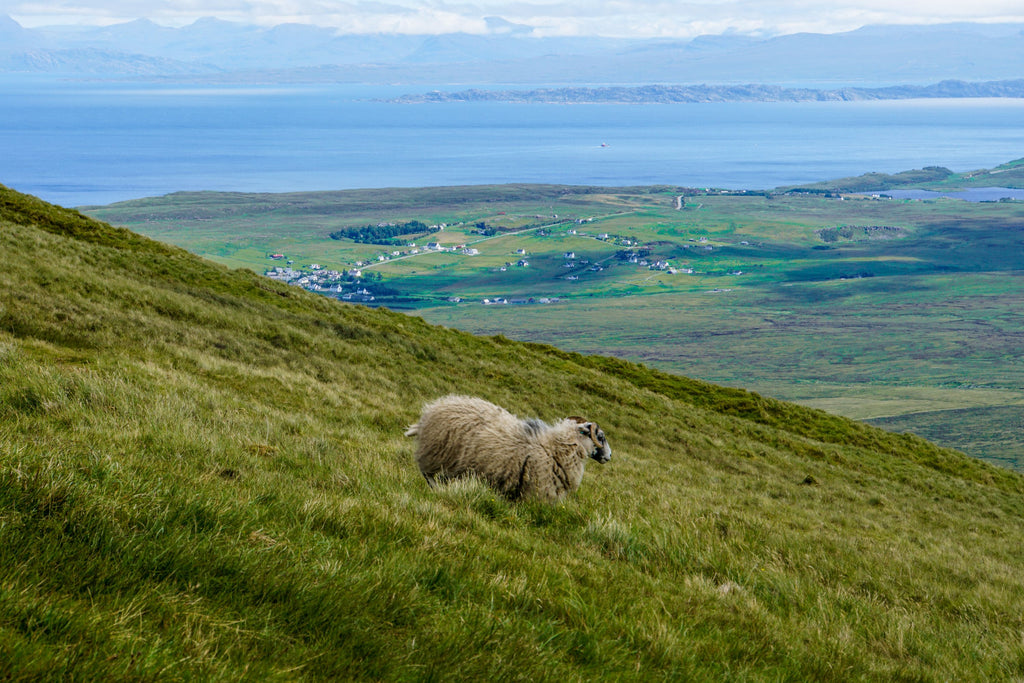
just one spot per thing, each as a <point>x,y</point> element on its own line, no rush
<point>203,474</point>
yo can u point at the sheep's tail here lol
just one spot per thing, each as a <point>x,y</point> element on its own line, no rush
<point>413,430</point>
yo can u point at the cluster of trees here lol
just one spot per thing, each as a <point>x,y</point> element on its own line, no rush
<point>483,229</point>
<point>626,254</point>
<point>385,233</point>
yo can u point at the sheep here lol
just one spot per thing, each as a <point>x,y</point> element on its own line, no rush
<point>461,435</point>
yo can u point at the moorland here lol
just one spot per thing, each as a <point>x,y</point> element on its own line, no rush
<point>905,314</point>
<point>203,477</point>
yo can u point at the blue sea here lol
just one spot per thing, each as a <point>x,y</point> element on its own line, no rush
<point>78,144</point>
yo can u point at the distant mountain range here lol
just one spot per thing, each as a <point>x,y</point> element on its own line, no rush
<point>669,94</point>
<point>215,50</point>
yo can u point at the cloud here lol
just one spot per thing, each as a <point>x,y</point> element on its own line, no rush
<point>626,18</point>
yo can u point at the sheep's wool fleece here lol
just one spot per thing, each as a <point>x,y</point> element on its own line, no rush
<point>460,435</point>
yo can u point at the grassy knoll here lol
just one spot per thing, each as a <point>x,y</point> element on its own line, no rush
<point>1010,174</point>
<point>203,475</point>
<point>872,309</point>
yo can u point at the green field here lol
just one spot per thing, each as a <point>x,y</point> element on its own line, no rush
<point>203,476</point>
<point>906,313</point>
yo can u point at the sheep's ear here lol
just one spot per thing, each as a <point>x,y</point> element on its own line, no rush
<point>587,429</point>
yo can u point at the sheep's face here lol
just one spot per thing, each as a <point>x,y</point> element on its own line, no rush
<point>600,449</point>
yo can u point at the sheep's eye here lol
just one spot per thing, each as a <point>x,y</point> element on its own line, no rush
<point>600,437</point>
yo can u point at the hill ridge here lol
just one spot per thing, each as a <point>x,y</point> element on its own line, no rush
<point>219,51</point>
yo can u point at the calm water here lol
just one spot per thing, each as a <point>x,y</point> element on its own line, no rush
<point>78,144</point>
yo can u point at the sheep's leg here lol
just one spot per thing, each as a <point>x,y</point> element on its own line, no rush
<point>430,480</point>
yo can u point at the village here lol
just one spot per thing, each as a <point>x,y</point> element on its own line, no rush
<point>345,285</point>
<point>356,282</point>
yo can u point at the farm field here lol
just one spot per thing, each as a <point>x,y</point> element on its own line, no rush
<point>906,314</point>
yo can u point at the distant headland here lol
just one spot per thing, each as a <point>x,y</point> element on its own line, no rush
<point>673,94</point>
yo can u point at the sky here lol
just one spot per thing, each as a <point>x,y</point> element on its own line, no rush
<point>623,18</point>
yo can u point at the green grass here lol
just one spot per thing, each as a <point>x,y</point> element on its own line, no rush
<point>203,476</point>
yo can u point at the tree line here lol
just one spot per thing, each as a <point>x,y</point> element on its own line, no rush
<point>384,233</point>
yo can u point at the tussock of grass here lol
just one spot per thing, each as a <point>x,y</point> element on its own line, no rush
<point>203,475</point>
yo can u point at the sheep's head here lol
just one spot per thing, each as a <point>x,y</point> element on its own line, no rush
<point>599,448</point>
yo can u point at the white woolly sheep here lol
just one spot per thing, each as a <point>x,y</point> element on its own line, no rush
<point>461,435</point>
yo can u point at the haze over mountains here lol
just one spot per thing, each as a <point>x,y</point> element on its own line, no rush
<point>213,49</point>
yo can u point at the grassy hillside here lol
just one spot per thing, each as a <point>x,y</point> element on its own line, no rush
<point>203,475</point>
<point>1010,174</point>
